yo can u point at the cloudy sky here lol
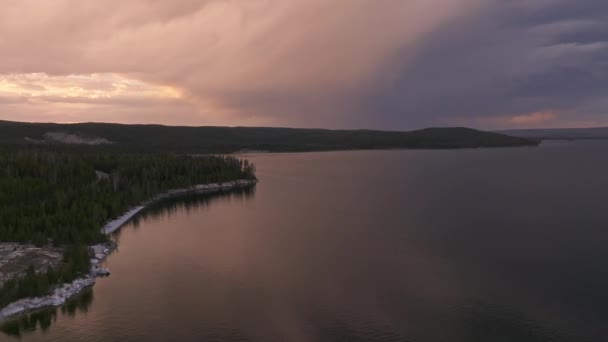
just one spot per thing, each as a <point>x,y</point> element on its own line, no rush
<point>385,64</point>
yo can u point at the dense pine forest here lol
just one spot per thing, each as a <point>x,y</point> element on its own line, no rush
<point>63,197</point>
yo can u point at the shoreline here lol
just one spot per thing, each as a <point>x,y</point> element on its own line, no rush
<point>114,225</point>
<point>62,294</point>
<point>237,153</point>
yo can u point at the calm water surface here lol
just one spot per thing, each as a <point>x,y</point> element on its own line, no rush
<point>470,245</point>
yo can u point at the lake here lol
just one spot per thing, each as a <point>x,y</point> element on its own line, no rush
<point>465,245</point>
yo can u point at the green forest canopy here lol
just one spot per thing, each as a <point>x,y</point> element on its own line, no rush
<point>55,196</point>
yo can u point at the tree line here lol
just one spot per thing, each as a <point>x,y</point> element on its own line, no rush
<point>64,197</point>
<point>156,138</point>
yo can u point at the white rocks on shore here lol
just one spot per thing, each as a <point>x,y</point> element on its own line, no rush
<point>101,251</point>
<point>59,296</point>
<point>62,294</point>
<point>114,225</point>
<point>97,249</point>
<point>100,271</point>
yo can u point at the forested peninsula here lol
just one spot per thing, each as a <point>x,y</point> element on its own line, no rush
<point>61,198</point>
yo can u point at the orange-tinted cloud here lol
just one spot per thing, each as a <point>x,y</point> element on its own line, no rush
<point>391,64</point>
<point>233,62</point>
<point>534,118</point>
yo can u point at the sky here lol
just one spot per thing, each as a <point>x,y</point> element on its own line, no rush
<point>378,64</point>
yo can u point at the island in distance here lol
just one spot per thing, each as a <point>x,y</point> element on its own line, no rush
<point>158,138</point>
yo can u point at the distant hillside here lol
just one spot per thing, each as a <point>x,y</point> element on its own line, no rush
<point>560,133</point>
<point>155,138</point>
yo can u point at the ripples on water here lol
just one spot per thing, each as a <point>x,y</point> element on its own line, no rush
<point>446,246</point>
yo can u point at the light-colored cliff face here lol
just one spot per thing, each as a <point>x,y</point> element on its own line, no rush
<point>69,138</point>
<point>15,259</point>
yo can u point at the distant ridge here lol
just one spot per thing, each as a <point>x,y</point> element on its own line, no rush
<point>212,139</point>
<point>559,133</point>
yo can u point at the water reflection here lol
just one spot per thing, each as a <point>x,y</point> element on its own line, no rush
<point>442,246</point>
<point>484,321</point>
<point>80,304</point>
<point>170,207</point>
<point>43,319</point>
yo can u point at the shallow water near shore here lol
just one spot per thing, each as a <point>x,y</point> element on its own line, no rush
<point>469,245</point>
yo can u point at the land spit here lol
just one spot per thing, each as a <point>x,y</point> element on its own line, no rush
<point>99,252</point>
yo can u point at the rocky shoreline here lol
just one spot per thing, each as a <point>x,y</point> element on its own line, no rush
<point>101,251</point>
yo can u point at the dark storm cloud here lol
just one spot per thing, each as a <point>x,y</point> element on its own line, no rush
<point>513,58</point>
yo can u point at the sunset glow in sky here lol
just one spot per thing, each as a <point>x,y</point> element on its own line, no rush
<point>387,64</point>
<point>80,87</point>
